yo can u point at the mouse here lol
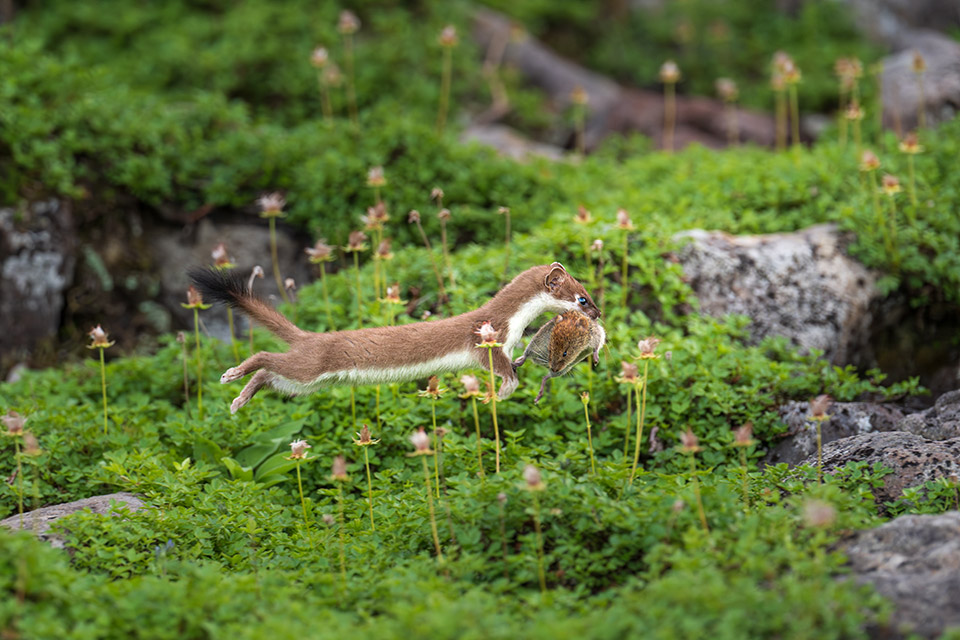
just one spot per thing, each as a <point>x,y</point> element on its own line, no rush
<point>562,343</point>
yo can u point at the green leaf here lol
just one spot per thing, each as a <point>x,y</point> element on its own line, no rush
<point>237,472</point>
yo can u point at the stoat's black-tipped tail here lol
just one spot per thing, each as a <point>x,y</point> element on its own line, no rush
<point>219,285</point>
<point>228,288</point>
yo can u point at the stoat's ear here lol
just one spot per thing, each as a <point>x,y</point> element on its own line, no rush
<point>555,277</point>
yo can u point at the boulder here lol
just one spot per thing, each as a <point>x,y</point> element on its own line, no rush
<point>913,459</point>
<point>39,520</point>
<point>915,562</point>
<point>509,143</point>
<point>940,95</point>
<point>37,262</point>
<point>800,285</point>
<point>939,422</point>
<point>847,419</point>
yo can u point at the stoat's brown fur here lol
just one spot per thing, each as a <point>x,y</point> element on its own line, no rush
<point>398,353</point>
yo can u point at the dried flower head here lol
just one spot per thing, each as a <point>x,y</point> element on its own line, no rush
<point>869,161</point>
<point>30,445</point>
<point>356,242</point>
<point>421,443</point>
<point>383,250</point>
<point>583,215</point>
<point>443,215</point>
<point>579,96</point>
<point>256,272</point>
<point>99,339</point>
<point>585,397</point>
<point>328,519</point>
<point>181,337</point>
<point>376,217</point>
<point>393,294</point>
<point>471,386</point>
<point>375,177</point>
<point>910,144</point>
<point>488,335</point>
<point>919,64</point>
<point>890,185</point>
<point>791,73</point>
<point>727,89</point>
<point>743,436</point>
<point>194,300</point>
<point>348,23</point>
<point>339,469</point>
<point>628,373</point>
<point>532,479</point>
<point>853,112</point>
<point>819,514</point>
<point>689,443</point>
<point>221,259</point>
<point>433,390</point>
<point>623,220</point>
<point>298,450</point>
<point>819,406</point>
<point>319,57</point>
<point>332,76</point>
<point>668,356</point>
<point>669,72</point>
<point>597,245</point>
<point>320,252</point>
<point>271,205</point>
<point>436,194</point>
<point>290,284</point>
<point>841,67</point>
<point>364,439</point>
<point>413,216</point>
<point>503,210</point>
<point>448,36</point>
<point>647,347</point>
<point>781,59</point>
<point>13,422</point>
<point>502,498</point>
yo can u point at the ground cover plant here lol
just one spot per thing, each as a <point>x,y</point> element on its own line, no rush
<point>314,516</point>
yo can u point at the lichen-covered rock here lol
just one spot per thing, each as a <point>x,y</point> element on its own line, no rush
<point>915,562</point>
<point>800,285</point>
<point>913,459</point>
<point>846,419</point>
<point>939,422</point>
<point>39,520</point>
<point>36,267</point>
<point>510,143</point>
<point>940,94</point>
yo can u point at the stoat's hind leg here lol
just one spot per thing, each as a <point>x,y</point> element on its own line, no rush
<point>259,360</point>
<point>260,379</point>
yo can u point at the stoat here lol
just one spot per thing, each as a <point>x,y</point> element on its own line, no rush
<point>398,353</point>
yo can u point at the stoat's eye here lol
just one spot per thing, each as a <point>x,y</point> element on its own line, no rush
<point>582,300</point>
<point>564,354</point>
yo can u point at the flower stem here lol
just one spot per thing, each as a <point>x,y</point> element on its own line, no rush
<point>325,103</point>
<point>196,333</point>
<point>913,189</point>
<point>696,492</point>
<point>326,301</point>
<point>640,419</point>
<point>233,339</point>
<point>356,267</point>
<point>436,442</point>
<point>819,451</point>
<point>586,415</point>
<point>433,263</point>
<point>537,529</point>
<point>186,380</point>
<point>343,551</point>
<point>303,503</point>
<point>103,386</point>
<point>795,114</point>
<point>493,410</point>
<point>275,259</point>
<point>447,72</point>
<point>433,516</point>
<point>16,447</point>
<point>366,462</point>
<point>447,266</point>
<point>476,424</point>
<point>626,432</point>
<point>746,479</point>
<point>781,119</point>
<point>623,269</point>
<point>669,114</point>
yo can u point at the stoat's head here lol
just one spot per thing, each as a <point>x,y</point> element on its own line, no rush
<point>568,293</point>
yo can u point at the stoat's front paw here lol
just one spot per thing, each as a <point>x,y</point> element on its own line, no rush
<point>507,388</point>
<point>230,375</point>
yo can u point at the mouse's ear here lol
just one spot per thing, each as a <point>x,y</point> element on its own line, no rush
<point>555,277</point>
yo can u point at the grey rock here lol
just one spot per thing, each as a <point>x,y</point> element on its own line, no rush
<point>39,520</point>
<point>37,262</point>
<point>847,419</point>
<point>800,285</point>
<point>248,243</point>
<point>939,422</point>
<point>509,143</point>
<point>915,562</point>
<point>913,459</point>
<point>902,94</point>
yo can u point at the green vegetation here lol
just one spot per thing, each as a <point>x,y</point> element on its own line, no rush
<point>211,103</point>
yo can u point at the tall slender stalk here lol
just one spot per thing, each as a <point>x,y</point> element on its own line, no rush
<point>196,333</point>
<point>696,492</point>
<point>103,386</point>
<point>326,297</point>
<point>275,259</point>
<point>303,502</point>
<point>366,463</point>
<point>446,73</point>
<point>585,399</point>
<point>433,515</point>
<point>182,339</point>
<point>17,454</point>
<point>476,424</point>
<point>536,526</point>
<point>493,411</point>
<point>641,415</point>
<point>629,425</point>
<point>343,544</point>
<point>795,114</point>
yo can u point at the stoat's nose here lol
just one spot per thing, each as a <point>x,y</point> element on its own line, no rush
<point>594,313</point>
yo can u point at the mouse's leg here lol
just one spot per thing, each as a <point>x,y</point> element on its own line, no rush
<point>543,387</point>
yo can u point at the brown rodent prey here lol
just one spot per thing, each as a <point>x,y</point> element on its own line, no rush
<point>562,343</point>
